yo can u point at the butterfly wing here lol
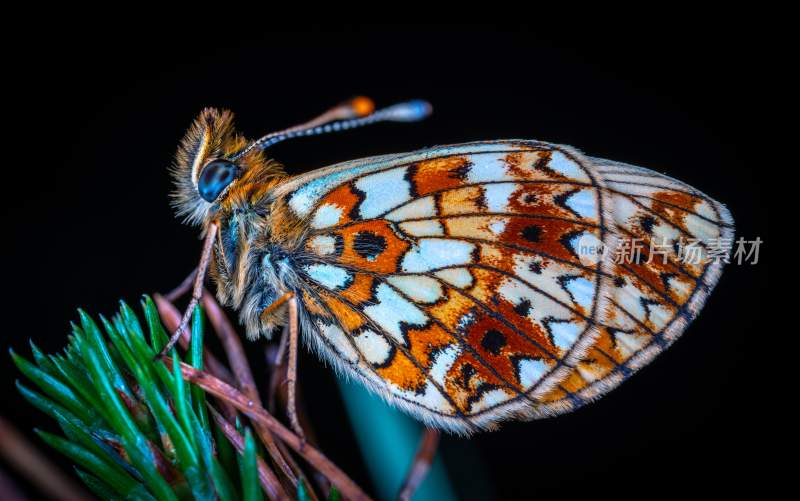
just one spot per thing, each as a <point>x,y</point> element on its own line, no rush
<point>454,281</point>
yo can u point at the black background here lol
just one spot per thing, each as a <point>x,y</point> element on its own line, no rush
<point>86,218</point>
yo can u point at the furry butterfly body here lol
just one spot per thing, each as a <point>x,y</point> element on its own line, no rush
<point>451,281</point>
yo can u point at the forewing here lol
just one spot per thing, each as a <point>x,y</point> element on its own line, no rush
<point>451,281</point>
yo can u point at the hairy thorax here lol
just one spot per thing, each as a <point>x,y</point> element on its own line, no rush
<point>253,256</point>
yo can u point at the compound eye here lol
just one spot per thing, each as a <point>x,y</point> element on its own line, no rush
<point>216,176</point>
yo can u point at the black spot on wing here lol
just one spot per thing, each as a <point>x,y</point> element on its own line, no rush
<point>647,222</point>
<point>482,389</point>
<point>535,267</point>
<point>462,171</point>
<point>523,308</point>
<point>481,200</point>
<point>467,371</point>
<point>532,233</point>
<point>369,245</point>
<point>493,341</point>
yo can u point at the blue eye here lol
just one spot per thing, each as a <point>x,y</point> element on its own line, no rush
<point>216,176</point>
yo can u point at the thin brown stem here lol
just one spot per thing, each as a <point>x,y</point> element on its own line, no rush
<point>244,376</point>
<point>269,482</point>
<point>291,371</point>
<point>324,485</point>
<point>182,289</point>
<point>421,465</point>
<point>276,371</point>
<point>170,315</point>
<point>277,391</point>
<point>279,396</point>
<point>197,288</point>
<point>279,356</point>
<point>228,393</point>
<point>28,461</point>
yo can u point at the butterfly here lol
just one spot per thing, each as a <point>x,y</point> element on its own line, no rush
<point>451,281</point>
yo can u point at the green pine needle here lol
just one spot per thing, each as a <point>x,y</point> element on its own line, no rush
<point>131,425</point>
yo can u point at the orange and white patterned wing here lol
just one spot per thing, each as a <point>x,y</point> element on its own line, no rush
<point>452,281</point>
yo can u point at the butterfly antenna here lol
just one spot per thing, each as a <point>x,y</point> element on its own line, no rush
<point>357,112</point>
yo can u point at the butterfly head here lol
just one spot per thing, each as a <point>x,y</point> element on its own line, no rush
<point>216,168</point>
<point>207,169</point>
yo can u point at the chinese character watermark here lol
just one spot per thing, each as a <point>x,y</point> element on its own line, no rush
<point>686,251</point>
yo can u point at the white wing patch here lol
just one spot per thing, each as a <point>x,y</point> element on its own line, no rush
<point>458,277</point>
<point>375,348</point>
<point>567,167</point>
<point>583,203</point>
<point>433,253</point>
<point>416,209</point>
<point>497,196</point>
<point>383,191</point>
<point>418,288</point>
<point>323,245</point>
<point>329,276</point>
<point>325,216</point>
<point>425,228</point>
<point>489,167</point>
<point>391,310</point>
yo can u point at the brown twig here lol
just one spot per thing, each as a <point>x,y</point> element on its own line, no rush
<point>269,482</point>
<point>238,361</point>
<point>277,375</point>
<point>322,482</point>
<point>224,391</point>
<point>244,376</point>
<point>279,395</point>
<point>276,389</point>
<point>197,287</point>
<point>421,465</point>
<point>273,366</point>
<point>182,289</point>
<point>171,317</point>
<point>16,449</point>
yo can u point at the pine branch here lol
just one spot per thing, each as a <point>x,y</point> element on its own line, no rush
<point>135,428</point>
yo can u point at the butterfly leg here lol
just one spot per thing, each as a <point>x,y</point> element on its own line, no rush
<point>291,365</point>
<point>269,310</point>
<point>291,371</point>
<point>197,288</point>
